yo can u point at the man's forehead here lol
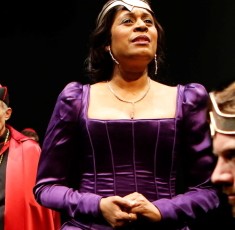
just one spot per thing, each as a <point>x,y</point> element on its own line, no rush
<point>223,143</point>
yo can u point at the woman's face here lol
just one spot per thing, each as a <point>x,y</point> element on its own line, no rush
<point>224,172</point>
<point>134,35</point>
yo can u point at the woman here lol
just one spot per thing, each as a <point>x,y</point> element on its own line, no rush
<point>127,151</point>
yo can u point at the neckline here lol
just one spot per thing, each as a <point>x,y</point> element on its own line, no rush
<point>86,99</point>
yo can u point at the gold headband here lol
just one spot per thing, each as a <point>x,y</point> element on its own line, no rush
<point>221,122</point>
<point>129,4</point>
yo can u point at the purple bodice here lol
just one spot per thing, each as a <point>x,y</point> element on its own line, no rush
<point>168,160</point>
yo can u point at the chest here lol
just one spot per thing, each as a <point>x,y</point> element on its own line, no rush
<point>154,105</point>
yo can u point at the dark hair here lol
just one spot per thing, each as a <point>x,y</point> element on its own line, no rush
<point>99,65</point>
<point>29,132</point>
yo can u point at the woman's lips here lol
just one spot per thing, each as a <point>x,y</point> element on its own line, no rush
<point>143,39</point>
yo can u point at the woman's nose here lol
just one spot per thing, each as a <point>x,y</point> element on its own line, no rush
<point>141,26</point>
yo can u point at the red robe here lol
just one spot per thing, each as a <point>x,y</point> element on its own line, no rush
<point>22,212</point>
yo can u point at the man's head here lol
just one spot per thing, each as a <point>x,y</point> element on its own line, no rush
<point>29,132</point>
<point>222,118</point>
<point>4,96</point>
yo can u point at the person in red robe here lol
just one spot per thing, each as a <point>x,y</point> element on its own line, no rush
<point>30,132</point>
<point>19,157</point>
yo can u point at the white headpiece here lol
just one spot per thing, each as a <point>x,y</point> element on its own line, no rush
<point>129,4</point>
<point>221,122</point>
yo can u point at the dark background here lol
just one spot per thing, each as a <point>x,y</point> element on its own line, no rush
<point>43,45</point>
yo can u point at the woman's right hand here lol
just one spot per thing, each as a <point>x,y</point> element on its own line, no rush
<point>115,211</point>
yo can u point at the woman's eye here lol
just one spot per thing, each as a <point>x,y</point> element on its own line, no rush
<point>148,21</point>
<point>126,21</point>
<point>129,21</point>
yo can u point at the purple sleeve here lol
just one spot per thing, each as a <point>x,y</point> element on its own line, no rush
<point>57,151</point>
<point>200,196</point>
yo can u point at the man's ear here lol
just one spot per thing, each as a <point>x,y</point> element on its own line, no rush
<point>8,113</point>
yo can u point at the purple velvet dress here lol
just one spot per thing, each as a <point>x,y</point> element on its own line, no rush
<point>168,160</point>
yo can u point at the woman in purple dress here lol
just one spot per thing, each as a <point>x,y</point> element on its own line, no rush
<point>127,151</point>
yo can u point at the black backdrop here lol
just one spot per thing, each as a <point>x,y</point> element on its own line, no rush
<point>43,45</point>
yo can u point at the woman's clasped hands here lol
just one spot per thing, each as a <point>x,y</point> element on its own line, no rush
<point>120,211</point>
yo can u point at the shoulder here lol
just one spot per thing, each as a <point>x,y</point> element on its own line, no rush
<point>69,101</point>
<point>165,93</point>
<point>31,146</point>
<point>28,144</point>
<point>163,89</point>
<point>72,93</point>
<point>72,90</point>
<point>194,94</point>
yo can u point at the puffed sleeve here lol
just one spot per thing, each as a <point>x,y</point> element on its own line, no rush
<point>56,158</point>
<point>199,196</point>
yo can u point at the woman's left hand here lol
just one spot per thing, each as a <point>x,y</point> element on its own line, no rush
<point>143,207</point>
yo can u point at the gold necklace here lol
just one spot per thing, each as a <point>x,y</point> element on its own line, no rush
<point>132,115</point>
<point>5,141</point>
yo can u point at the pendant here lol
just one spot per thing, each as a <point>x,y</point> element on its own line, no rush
<point>132,116</point>
<point>133,110</point>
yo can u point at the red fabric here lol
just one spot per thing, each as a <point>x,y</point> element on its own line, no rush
<point>21,209</point>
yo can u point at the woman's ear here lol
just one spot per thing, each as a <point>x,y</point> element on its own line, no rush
<point>107,48</point>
